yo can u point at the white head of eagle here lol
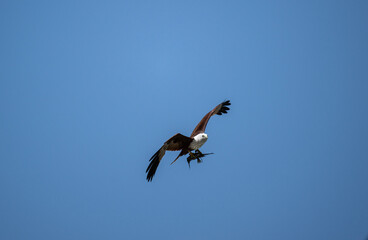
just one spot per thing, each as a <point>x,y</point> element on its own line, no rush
<point>198,141</point>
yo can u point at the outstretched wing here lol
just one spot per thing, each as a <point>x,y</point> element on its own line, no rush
<point>175,143</point>
<point>219,110</point>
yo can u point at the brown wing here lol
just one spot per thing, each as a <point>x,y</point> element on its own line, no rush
<point>175,143</point>
<point>219,110</point>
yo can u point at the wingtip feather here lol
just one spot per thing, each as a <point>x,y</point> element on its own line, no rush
<point>224,107</point>
<point>152,167</point>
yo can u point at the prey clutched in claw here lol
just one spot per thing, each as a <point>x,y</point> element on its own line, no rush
<point>196,155</point>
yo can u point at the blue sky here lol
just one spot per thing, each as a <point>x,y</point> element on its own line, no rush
<point>90,90</point>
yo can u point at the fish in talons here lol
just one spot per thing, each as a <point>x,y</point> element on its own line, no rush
<point>196,155</point>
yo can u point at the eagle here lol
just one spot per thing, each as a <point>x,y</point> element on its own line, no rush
<point>186,144</point>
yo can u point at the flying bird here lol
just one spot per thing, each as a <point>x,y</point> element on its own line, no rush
<point>186,144</point>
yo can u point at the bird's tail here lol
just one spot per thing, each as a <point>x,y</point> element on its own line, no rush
<point>183,152</point>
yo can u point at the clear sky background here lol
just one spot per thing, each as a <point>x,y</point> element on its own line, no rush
<point>90,90</point>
